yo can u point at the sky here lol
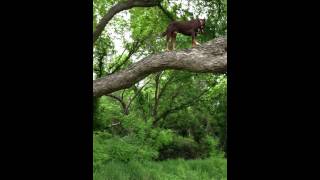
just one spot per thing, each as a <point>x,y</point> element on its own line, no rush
<point>116,37</point>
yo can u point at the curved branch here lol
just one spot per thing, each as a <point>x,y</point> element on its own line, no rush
<point>121,101</point>
<point>137,92</point>
<point>166,12</point>
<point>121,6</point>
<point>209,57</point>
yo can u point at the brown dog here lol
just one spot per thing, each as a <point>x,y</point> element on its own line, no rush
<point>188,28</point>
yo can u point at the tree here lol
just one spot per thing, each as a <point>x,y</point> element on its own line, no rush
<point>209,57</point>
<point>148,96</point>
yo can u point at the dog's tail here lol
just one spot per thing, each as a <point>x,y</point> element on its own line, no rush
<point>163,34</point>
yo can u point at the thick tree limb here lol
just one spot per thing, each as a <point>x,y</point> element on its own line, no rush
<point>121,6</point>
<point>209,57</point>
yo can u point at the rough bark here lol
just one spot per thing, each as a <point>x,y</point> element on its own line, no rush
<point>121,6</point>
<point>209,57</point>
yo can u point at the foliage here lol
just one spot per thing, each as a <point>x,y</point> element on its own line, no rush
<point>208,169</point>
<point>188,148</point>
<point>141,142</point>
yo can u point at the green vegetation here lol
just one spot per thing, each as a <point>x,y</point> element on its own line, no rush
<point>208,169</point>
<point>172,124</point>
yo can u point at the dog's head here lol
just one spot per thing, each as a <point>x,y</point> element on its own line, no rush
<point>202,25</point>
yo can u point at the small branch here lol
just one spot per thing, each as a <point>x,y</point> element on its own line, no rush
<point>136,94</point>
<point>166,12</point>
<point>121,101</point>
<point>122,94</point>
<point>165,86</point>
<point>114,124</point>
<point>156,97</point>
<point>180,107</point>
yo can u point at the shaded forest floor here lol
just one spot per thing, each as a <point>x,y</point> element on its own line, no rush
<point>207,169</point>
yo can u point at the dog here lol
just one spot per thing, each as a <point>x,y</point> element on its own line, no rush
<point>188,28</point>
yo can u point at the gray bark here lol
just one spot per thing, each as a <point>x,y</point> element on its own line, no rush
<point>208,57</point>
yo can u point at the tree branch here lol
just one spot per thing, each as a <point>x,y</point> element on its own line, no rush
<point>121,101</point>
<point>165,86</point>
<point>156,94</point>
<point>180,107</point>
<point>135,46</point>
<point>121,6</point>
<point>136,94</point>
<point>166,12</point>
<point>209,57</point>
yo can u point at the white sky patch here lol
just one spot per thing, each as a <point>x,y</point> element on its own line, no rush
<point>191,7</point>
<point>117,35</point>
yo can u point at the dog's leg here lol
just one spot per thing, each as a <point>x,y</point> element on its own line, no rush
<point>193,40</point>
<point>168,42</point>
<point>171,39</point>
<point>174,35</point>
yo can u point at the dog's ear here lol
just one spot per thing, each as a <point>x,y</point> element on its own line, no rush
<point>201,22</point>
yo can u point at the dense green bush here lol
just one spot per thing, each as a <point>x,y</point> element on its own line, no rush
<point>105,110</point>
<point>142,143</point>
<point>188,148</point>
<point>180,147</point>
<point>99,149</point>
<point>119,149</point>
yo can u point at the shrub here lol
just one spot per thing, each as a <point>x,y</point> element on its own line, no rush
<point>141,144</point>
<point>188,148</point>
<point>180,147</point>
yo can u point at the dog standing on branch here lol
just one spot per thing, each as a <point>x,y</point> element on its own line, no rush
<point>188,28</point>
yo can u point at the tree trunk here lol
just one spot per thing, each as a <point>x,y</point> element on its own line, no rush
<point>209,57</point>
<point>156,95</point>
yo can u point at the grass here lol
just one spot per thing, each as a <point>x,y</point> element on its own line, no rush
<point>207,169</point>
